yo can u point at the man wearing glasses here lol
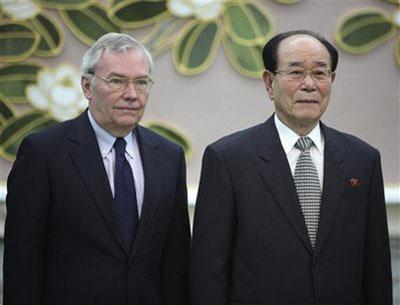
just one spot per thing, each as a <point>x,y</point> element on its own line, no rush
<point>292,212</point>
<point>97,206</point>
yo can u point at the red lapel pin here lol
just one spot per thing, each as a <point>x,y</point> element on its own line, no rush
<point>354,182</point>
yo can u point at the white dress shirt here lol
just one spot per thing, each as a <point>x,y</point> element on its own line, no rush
<point>289,138</point>
<point>132,154</point>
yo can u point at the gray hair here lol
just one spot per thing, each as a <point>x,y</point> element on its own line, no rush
<point>114,43</point>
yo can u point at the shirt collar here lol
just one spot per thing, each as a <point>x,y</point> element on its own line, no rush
<point>289,138</point>
<point>106,140</point>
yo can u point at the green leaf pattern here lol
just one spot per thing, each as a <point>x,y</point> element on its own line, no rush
<point>51,35</point>
<point>171,133</point>
<point>18,41</point>
<point>196,47</point>
<point>17,128</point>
<point>6,110</point>
<point>363,30</point>
<point>66,4</point>
<point>247,24</point>
<point>95,20</point>
<point>134,13</point>
<point>162,36</point>
<point>14,78</point>
<point>245,60</point>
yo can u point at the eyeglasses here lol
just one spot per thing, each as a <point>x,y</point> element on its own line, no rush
<point>142,84</point>
<point>318,75</point>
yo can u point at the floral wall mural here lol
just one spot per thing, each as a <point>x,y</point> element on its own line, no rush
<point>50,95</point>
<point>194,30</point>
<point>57,92</point>
<point>361,31</point>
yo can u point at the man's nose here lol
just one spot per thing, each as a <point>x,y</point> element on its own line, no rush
<point>308,83</point>
<point>130,92</point>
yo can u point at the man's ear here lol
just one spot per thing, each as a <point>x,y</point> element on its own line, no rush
<point>268,78</point>
<point>86,87</point>
<point>333,76</point>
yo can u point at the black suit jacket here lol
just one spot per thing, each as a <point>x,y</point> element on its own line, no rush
<point>63,244</point>
<point>250,244</point>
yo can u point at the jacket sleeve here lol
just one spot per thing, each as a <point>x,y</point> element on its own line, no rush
<point>28,201</point>
<point>175,258</point>
<point>377,266</point>
<point>214,225</point>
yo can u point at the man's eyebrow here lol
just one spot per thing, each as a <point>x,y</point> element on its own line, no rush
<point>321,63</point>
<point>116,74</point>
<point>295,64</point>
<point>124,76</point>
<point>299,63</point>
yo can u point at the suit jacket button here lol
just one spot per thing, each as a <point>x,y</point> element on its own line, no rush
<point>315,263</point>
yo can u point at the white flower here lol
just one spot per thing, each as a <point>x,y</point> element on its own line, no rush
<point>58,92</point>
<point>20,9</point>
<point>204,10</point>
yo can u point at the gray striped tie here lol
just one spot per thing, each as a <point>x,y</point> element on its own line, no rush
<point>308,187</point>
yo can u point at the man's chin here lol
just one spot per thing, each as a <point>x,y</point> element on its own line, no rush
<point>308,121</point>
<point>129,124</point>
<point>129,120</point>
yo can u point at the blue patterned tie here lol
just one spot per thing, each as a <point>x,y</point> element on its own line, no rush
<point>308,187</point>
<point>124,193</point>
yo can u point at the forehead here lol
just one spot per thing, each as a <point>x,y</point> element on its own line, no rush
<point>126,62</point>
<point>302,49</point>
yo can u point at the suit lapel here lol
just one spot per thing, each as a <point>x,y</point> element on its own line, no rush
<point>86,155</point>
<point>275,170</point>
<point>152,160</point>
<point>333,185</point>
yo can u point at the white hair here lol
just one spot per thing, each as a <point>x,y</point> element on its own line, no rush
<point>113,43</point>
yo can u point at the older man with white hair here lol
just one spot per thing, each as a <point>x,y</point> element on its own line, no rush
<point>97,206</point>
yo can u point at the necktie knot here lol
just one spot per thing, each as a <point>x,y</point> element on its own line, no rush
<point>303,143</point>
<point>120,145</point>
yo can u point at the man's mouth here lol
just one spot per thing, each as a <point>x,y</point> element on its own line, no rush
<point>307,101</point>
<point>126,109</point>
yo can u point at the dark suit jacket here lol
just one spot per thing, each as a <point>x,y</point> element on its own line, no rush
<point>250,244</point>
<point>63,244</point>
